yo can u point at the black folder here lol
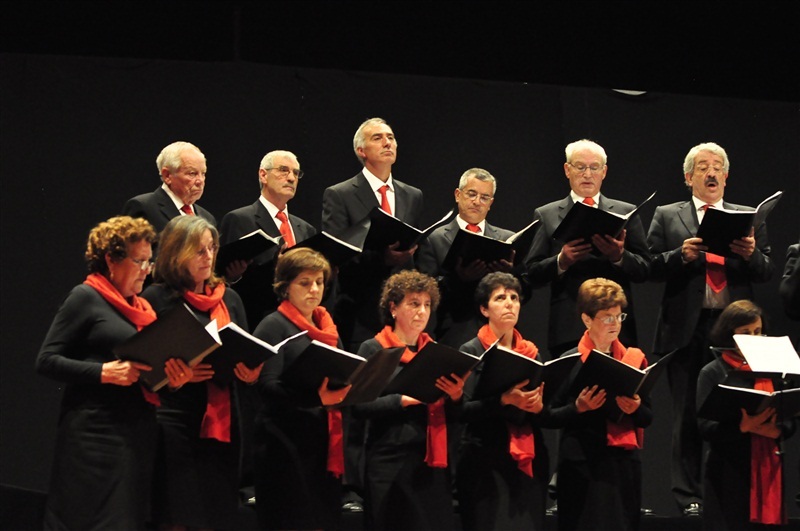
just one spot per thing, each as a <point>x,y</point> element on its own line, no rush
<point>417,378</point>
<point>583,221</point>
<point>239,346</point>
<point>616,377</point>
<point>175,334</point>
<point>720,227</point>
<point>336,251</point>
<point>379,229</point>
<point>503,368</point>
<point>470,246</point>
<point>245,248</point>
<point>725,402</point>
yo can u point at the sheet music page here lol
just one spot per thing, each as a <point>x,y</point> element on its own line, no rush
<point>769,354</point>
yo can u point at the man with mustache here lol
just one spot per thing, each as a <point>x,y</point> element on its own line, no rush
<point>623,259</point>
<point>699,285</point>
<point>182,167</point>
<point>278,177</point>
<point>457,319</point>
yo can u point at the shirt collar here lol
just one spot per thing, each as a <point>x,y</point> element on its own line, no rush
<point>376,183</point>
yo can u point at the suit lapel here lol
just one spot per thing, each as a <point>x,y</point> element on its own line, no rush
<point>364,193</point>
<point>564,206</point>
<point>264,221</point>
<point>165,205</point>
<point>688,217</point>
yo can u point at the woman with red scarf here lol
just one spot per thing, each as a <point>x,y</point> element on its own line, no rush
<point>198,459</point>
<point>299,451</point>
<point>502,472</point>
<point>407,474</point>
<point>599,468</point>
<point>107,433</point>
<point>742,480</point>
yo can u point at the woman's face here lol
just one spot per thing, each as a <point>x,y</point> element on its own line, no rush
<point>752,329</point>
<point>305,291</point>
<point>200,264</point>
<point>412,313</point>
<point>605,327</point>
<point>127,275</point>
<point>503,308</point>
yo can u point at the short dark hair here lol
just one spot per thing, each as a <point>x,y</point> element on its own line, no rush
<point>739,313</point>
<point>491,282</point>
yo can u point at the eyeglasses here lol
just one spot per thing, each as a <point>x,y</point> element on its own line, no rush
<point>284,171</point>
<point>704,168</point>
<point>144,265</point>
<point>580,168</point>
<point>472,195</point>
<point>213,248</point>
<point>611,319</point>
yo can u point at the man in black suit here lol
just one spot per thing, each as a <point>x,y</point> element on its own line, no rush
<point>623,259</point>
<point>182,167</point>
<point>698,287</point>
<point>456,319</point>
<point>278,176</point>
<point>355,309</point>
<point>348,203</point>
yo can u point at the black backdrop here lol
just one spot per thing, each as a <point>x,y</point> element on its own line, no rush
<point>78,136</point>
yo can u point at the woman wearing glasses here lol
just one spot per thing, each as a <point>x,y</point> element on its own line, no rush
<point>198,460</point>
<point>107,431</point>
<point>742,484</point>
<point>599,469</point>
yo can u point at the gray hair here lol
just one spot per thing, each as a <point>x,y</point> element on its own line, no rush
<point>716,149</point>
<point>358,139</point>
<point>170,156</point>
<point>267,161</point>
<point>479,174</point>
<point>585,145</point>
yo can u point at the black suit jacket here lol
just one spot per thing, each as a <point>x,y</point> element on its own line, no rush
<point>457,320</point>
<point>564,324</point>
<point>157,208</point>
<point>685,283</point>
<point>255,286</point>
<point>360,280</point>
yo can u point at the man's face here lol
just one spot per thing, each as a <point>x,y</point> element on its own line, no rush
<point>189,180</point>
<point>280,185</point>
<point>380,146</point>
<point>585,172</point>
<point>708,179</point>
<point>474,200</point>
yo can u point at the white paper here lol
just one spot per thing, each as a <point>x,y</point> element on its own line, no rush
<point>769,354</point>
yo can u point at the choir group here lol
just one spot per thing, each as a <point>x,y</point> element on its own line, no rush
<point>130,458</point>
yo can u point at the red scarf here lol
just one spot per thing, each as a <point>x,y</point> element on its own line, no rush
<point>521,445</point>
<point>622,434</point>
<point>323,330</point>
<point>138,311</point>
<point>766,473</point>
<point>436,435</point>
<point>217,419</point>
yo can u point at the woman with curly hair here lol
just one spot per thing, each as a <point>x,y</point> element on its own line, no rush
<point>107,431</point>
<point>407,473</point>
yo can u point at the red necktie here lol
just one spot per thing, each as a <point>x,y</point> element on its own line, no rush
<point>187,209</point>
<point>715,268</point>
<point>588,201</point>
<point>384,199</point>
<point>286,231</point>
<point>473,228</point>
